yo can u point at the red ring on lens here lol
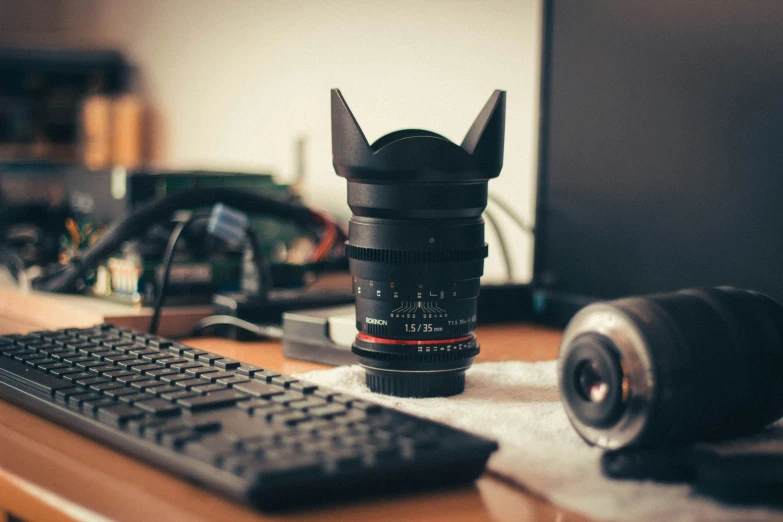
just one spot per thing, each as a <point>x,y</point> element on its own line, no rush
<point>379,340</point>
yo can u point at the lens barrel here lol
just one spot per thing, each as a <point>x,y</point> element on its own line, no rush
<point>674,368</point>
<point>416,247</point>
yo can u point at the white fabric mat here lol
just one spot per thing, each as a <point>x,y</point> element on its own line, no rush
<point>517,404</point>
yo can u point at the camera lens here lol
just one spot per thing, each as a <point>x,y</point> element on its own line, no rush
<point>673,368</point>
<point>416,247</point>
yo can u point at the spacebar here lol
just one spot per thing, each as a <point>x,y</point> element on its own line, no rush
<point>17,372</point>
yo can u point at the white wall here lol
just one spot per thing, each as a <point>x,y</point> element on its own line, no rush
<point>237,81</point>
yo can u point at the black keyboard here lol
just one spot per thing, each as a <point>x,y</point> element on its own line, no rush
<point>240,430</point>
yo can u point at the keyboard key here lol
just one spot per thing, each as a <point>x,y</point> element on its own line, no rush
<point>190,383</point>
<point>290,417</point>
<point>227,364</point>
<point>365,406</point>
<point>230,381</point>
<point>54,366</point>
<point>119,357</point>
<point>63,393</point>
<point>30,377</point>
<point>62,372</point>
<point>45,361</point>
<point>119,414</point>
<point>165,388</point>
<point>79,398</point>
<point>291,469</point>
<point>142,351</point>
<point>248,369</point>
<point>159,408</point>
<point>206,388</point>
<point>258,389</point>
<point>61,356</point>
<point>132,378</point>
<point>253,404</point>
<point>73,377</point>
<point>102,387</point>
<point>32,356</point>
<point>89,381</point>
<point>143,385</point>
<point>214,376</point>
<point>92,405</point>
<point>304,387</point>
<point>193,353</point>
<point>117,374</point>
<point>154,357</point>
<point>185,366</point>
<point>128,365</point>
<point>171,379</point>
<point>100,370</point>
<point>179,348</point>
<point>143,368</point>
<point>119,392</point>
<point>287,397</point>
<point>265,375</point>
<point>134,398</point>
<point>209,358</point>
<point>327,411</point>
<point>92,363</point>
<point>181,394</point>
<point>145,423</point>
<point>159,343</point>
<point>171,361</point>
<point>283,381</point>
<point>219,399</point>
<point>312,402</point>
<point>195,372</point>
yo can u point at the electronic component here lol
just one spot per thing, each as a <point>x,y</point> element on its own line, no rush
<point>659,162</point>
<point>322,335</point>
<point>240,430</point>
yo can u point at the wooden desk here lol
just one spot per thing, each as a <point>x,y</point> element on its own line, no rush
<point>50,473</point>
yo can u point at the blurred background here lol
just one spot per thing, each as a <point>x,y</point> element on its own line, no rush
<point>243,86</point>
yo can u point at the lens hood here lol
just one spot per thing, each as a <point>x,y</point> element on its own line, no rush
<point>419,155</point>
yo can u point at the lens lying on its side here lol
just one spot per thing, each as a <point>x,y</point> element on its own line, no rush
<point>673,368</point>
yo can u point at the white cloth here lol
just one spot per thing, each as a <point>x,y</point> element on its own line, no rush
<point>517,404</point>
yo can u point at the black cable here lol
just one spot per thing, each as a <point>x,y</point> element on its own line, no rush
<point>502,242</point>
<point>167,261</point>
<point>510,212</point>
<point>66,278</point>
<point>261,330</point>
<point>13,262</point>
<point>263,270</point>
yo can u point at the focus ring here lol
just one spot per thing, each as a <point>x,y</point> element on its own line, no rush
<point>384,255</point>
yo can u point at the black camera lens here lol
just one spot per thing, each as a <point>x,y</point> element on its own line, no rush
<point>416,247</point>
<point>673,368</point>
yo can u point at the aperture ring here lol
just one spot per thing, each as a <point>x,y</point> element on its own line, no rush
<point>383,255</point>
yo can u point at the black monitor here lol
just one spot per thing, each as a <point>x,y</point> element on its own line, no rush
<point>661,149</point>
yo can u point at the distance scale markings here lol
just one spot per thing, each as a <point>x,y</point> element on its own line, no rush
<point>427,291</point>
<point>429,309</point>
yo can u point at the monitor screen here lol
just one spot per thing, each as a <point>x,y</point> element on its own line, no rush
<point>661,147</point>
